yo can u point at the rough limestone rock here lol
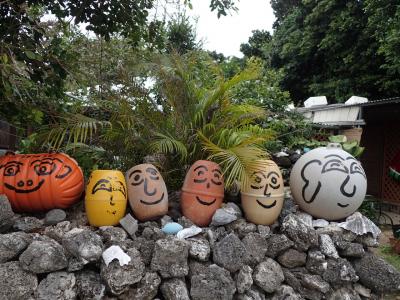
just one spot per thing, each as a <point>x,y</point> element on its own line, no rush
<point>286,292</point>
<point>147,288</point>
<point>256,247</point>
<point>89,285</point>
<point>264,230</point>
<point>58,231</point>
<point>226,214</point>
<point>6,214</point>
<point>214,283</point>
<point>12,244</point>
<point>112,235</point>
<point>130,224</point>
<point>230,253</point>
<point>244,279</point>
<point>241,227</point>
<point>277,243</point>
<point>174,289</point>
<point>145,248</point>
<point>43,257</point>
<point>347,249</point>
<point>315,282</point>
<point>27,224</point>
<point>316,262</point>
<point>305,217</point>
<point>268,275</point>
<point>327,247</point>
<point>339,271</point>
<point>215,234</point>
<point>199,249</point>
<point>254,293</point>
<point>16,283</point>
<point>377,274</point>
<point>170,258</point>
<point>344,294</point>
<point>83,243</point>
<point>292,258</point>
<point>57,285</point>
<point>119,278</point>
<point>303,235</point>
<point>54,216</point>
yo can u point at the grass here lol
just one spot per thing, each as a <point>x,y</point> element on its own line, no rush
<point>385,251</point>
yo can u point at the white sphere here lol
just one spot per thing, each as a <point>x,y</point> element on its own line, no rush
<point>328,183</point>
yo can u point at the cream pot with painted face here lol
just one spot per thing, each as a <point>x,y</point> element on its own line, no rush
<point>262,200</point>
<point>147,192</point>
<point>328,183</point>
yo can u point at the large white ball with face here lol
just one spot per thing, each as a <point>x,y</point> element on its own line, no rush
<point>328,183</point>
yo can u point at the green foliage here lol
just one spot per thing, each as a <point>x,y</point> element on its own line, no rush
<point>181,36</point>
<point>390,256</point>
<point>351,147</point>
<point>256,46</point>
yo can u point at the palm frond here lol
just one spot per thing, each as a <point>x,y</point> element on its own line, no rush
<point>239,161</point>
<point>169,145</point>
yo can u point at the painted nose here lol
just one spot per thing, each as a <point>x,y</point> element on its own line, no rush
<point>146,191</point>
<point>266,191</point>
<point>344,186</point>
<point>208,185</point>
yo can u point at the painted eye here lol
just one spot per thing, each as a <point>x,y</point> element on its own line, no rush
<point>257,182</point>
<point>44,168</point>
<point>335,165</point>
<point>11,170</point>
<point>217,180</point>
<point>355,167</point>
<point>274,183</point>
<point>137,179</point>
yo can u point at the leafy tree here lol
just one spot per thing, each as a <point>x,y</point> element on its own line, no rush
<point>181,36</point>
<point>256,46</point>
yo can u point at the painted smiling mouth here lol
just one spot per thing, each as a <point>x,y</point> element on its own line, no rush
<point>153,203</point>
<point>342,205</point>
<point>206,203</point>
<point>267,206</point>
<point>9,186</point>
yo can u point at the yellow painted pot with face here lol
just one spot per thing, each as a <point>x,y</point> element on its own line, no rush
<point>262,200</point>
<point>148,195</point>
<point>106,198</point>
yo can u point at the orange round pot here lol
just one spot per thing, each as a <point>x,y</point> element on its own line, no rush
<point>262,200</point>
<point>39,182</point>
<point>147,192</point>
<point>202,192</point>
<point>105,199</point>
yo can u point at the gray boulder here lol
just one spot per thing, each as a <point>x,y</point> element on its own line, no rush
<point>6,214</point>
<point>145,248</point>
<point>230,253</point>
<point>146,289</point>
<point>303,235</point>
<point>256,247</point>
<point>16,283</point>
<point>12,244</point>
<point>89,285</point>
<point>214,283</point>
<point>119,278</point>
<point>286,292</point>
<point>43,257</point>
<point>27,224</point>
<point>244,279</point>
<point>264,230</point>
<point>276,244</point>
<point>347,249</point>
<point>292,258</point>
<point>226,214</point>
<point>316,262</point>
<point>344,294</point>
<point>377,274</point>
<point>58,231</point>
<point>339,271</point>
<point>199,248</point>
<point>130,224</point>
<point>54,216</point>
<point>83,243</point>
<point>174,289</point>
<point>315,282</point>
<point>170,258</point>
<point>327,247</point>
<point>241,227</point>
<point>268,275</point>
<point>254,293</point>
<point>58,285</point>
<point>112,235</point>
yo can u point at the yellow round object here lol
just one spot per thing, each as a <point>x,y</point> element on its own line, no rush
<point>105,198</point>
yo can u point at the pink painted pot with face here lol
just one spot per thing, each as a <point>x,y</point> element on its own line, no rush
<point>147,192</point>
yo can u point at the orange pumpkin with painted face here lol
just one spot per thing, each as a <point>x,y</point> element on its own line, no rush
<point>202,192</point>
<point>262,200</point>
<point>147,192</point>
<point>39,182</point>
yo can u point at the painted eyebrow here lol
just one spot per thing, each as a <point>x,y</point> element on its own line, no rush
<point>352,158</point>
<point>133,172</point>
<point>272,172</point>
<point>150,170</point>
<point>334,155</point>
<point>46,158</point>
<point>11,162</point>
<point>259,172</point>
<point>201,166</point>
<point>216,170</point>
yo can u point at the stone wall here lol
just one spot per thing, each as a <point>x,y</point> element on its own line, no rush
<point>58,256</point>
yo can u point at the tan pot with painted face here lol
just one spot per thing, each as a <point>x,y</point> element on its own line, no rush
<point>147,192</point>
<point>202,192</point>
<point>262,201</point>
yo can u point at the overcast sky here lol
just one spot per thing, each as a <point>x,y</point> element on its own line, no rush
<point>227,33</point>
